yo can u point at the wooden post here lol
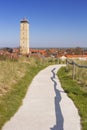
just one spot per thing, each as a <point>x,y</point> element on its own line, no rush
<point>73,71</point>
<point>67,65</point>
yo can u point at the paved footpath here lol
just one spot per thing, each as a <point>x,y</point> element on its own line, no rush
<point>46,106</point>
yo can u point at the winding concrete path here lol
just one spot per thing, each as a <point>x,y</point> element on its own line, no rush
<point>45,106</point>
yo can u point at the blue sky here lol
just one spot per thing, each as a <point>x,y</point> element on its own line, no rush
<point>53,23</point>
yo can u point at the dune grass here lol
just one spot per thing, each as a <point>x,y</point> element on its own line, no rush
<point>75,91</point>
<point>14,82</point>
<point>80,73</point>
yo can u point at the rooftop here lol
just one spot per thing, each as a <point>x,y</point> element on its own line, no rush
<point>24,20</point>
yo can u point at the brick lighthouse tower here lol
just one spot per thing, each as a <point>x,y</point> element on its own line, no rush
<point>24,37</point>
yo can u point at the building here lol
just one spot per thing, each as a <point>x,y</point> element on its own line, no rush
<point>24,37</point>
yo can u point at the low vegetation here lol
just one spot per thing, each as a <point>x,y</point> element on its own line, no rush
<point>15,78</point>
<point>80,73</point>
<point>17,74</point>
<point>76,92</point>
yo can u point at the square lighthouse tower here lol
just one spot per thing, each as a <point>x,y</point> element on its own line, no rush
<point>24,37</point>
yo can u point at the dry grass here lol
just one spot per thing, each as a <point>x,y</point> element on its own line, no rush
<point>80,73</point>
<point>10,73</point>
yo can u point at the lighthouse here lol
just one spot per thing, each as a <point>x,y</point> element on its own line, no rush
<point>24,37</point>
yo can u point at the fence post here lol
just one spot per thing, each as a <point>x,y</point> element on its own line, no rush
<point>67,65</point>
<point>73,70</point>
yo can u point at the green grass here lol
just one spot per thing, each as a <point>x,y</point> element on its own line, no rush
<point>11,100</point>
<point>75,91</point>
